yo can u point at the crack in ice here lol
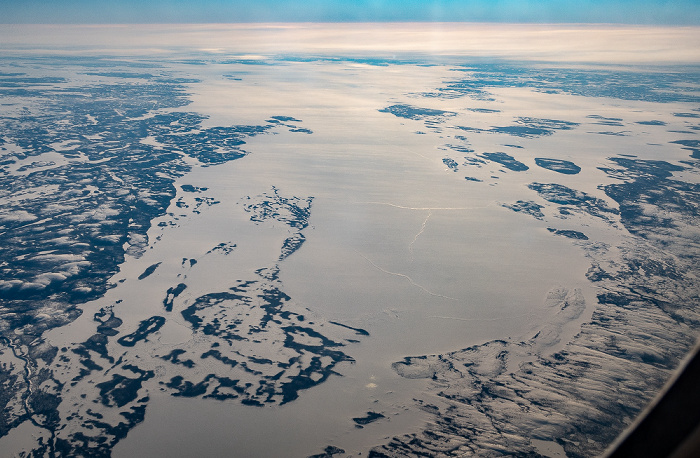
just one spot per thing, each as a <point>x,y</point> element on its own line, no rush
<point>420,208</point>
<point>410,280</point>
<point>422,229</point>
<point>527,315</point>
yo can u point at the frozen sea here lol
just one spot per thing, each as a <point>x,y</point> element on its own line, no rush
<point>341,240</point>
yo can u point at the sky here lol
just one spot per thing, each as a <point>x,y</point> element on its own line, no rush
<point>657,12</point>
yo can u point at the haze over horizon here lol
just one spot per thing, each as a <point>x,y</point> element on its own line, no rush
<point>653,12</point>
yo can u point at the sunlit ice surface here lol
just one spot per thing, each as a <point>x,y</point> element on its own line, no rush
<point>332,239</point>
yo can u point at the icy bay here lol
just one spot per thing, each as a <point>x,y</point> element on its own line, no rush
<point>265,240</point>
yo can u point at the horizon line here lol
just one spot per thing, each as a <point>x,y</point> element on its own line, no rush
<point>534,23</point>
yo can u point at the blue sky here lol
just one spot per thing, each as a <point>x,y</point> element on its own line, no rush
<point>680,12</point>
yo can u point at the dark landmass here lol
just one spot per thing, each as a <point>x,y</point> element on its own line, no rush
<point>225,248</point>
<point>568,233</point>
<point>285,119</point>
<point>223,316</point>
<point>451,164</point>
<point>691,145</point>
<point>328,452</point>
<point>146,328</point>
<point>188,262</point>
<point>171,294</point>
<point>602,120</point>
<point>301,130</point>
<point>174,357</point>
<point>417,113</point>
<point>97,343</point>
<point>574,200</point>
<point>676,201</point>
<point>358,331</point>
<point>108,321</point>
<point>190,188</point>
<point>121,390</point>
<point>527,127</point>
<point>623,133</point>
<point>558,165</point>
<point>149,270</point>
<point>371,417</point>
<point>660,87</point>
<point>23,81</point>
<point>460,148</point>
<point>528,207</point>
<point>292,211</point>
<point>291,244</point>
<point>122,75</point>
<point>534,127</point>
<point>506,160</point>
<point>374,61</point>
<point>246,62</point>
